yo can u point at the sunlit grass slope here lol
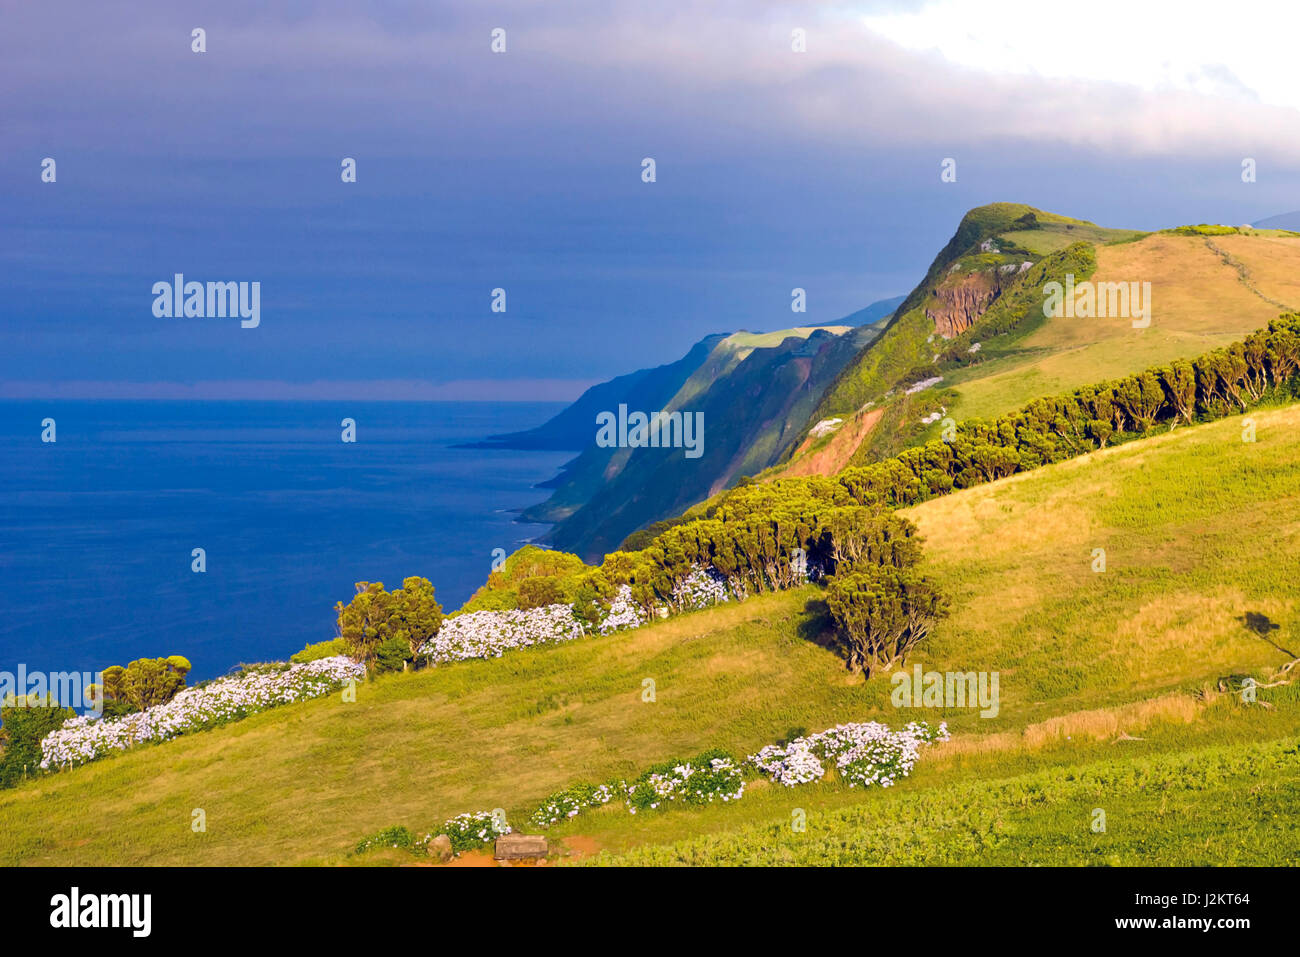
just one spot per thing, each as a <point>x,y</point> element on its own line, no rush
<point>1206,292</point>
<point>1199,529</point>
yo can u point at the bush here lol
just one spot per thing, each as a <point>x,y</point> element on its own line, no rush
<point>710,776</point>
<point>473,830</point>
<point>389,837</point>
<point>85,738</point>
<point>864,754</point>
<point>25,722</point>
<point>882,614</point>
<point>530,578</point>
<point>571,802</point>
<point>144,683</point>
<point>319,650</point>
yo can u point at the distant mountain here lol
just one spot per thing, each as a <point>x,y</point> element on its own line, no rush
<point>575,427</point>
<point>1289,221</point>
<point>881,309</point>
<point>754,390</point>
<point>971,340</point>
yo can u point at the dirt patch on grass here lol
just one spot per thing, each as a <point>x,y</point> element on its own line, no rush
<point>834,455</point>
<point>473,859</point>
<point>578,846</point>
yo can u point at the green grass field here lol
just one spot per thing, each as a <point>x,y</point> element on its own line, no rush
<point>1199,529</point>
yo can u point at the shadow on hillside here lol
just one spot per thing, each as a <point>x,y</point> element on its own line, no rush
<point>1262,626</point>
<point>818,627</point>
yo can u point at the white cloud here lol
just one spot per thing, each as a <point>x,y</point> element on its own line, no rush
<point>1244,49</point>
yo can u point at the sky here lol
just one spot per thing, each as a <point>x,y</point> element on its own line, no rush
<point>522,170</point>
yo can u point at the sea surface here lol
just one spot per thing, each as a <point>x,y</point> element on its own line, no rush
<point>98,528</point>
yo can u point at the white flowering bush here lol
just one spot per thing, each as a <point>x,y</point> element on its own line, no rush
<point>86,738</point>
<point>863,754</point>
<point>712,776</point>
<point>571,802</point>
<point>489,634</point>
<point>623,613</point>
<point>700,589</point>
<point>474,829</point>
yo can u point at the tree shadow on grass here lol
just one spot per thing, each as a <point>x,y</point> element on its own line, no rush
<point>818,627</point>
<point>1262,626</point>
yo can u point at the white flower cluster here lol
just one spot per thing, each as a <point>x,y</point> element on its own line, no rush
<point>566,804</point>
<point>863,753</point>
<point>86,738</point>
<point>623,613</point>
<point>474,828</point>
<point>700,589</point>
<point>690,784</point>
<point>489,634</point>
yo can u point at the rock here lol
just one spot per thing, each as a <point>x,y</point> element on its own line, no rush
<point>518,847</point>
<point>440,847</point>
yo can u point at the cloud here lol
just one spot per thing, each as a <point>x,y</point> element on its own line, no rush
<point>1126,78</point>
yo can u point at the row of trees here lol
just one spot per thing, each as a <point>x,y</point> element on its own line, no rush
<point>882,606</point>
<point>1224,382</point>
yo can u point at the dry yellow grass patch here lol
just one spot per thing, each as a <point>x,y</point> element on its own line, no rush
<point>1098,724</point>
<point>1191,286</point>
<point>1271,262</point>
<point>1185,623</point>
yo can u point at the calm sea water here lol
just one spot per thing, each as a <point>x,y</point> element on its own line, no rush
<point>97,529</point>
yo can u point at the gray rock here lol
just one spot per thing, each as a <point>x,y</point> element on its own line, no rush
<point>440,847</point>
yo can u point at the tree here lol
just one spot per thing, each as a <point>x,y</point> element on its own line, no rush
<point>1179,380</point>
<point>364,622</point>
<point>882,613</point>
<point>416,614</point>
<point>144,683</point>
<point>384,630</point>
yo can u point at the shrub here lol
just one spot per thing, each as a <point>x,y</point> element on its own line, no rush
<point>571,802</point>
<point>86,738</point>
<point>530,578</point>
<point>864,754</point>
<point>319,650</point>
<point>710,776</point>
<point>472,830</point>
<point>489,634</point>
<point>26,721</point>
<point>142,684</point>
<point>388,837</point>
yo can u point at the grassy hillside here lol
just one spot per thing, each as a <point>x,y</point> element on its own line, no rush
<point>1200,301</point>
<point>910,340</point>
<point>1199,528</point>
<point>1226,805</point>
<point>1209,286</point>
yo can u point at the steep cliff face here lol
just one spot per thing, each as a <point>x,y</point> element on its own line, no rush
<point>753,393</point>
<point>960,301</point>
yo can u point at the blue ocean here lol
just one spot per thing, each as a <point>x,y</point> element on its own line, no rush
<point>97,529</point>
